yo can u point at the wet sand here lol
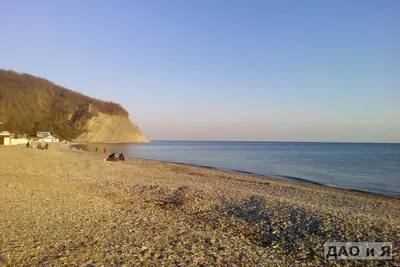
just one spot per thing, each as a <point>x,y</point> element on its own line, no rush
<point>63,207</point>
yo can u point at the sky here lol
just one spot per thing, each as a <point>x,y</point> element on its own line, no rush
<point>221,70</point>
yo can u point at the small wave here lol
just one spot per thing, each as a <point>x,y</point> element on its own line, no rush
<point>387,194</point>
<point>246,172</point>
<point>297,179</point>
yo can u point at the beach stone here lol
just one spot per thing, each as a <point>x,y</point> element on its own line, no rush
<point>4,260</point>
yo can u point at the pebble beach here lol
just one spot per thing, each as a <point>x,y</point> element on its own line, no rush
<point>65,207</point>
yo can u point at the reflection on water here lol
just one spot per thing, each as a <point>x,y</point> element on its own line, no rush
<point>368,167</point>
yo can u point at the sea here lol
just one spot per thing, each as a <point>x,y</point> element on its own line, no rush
<point>370,167</point>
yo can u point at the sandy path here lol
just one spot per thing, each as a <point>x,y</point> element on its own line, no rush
<point>64,207</point>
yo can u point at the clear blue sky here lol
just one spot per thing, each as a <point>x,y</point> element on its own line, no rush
<point>221,70</point>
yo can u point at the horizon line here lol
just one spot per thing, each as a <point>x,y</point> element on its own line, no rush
<point>266,141</point>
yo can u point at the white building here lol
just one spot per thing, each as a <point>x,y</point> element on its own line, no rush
<point>46,137</point>
<point>5,138</point>
<point>49,139</point>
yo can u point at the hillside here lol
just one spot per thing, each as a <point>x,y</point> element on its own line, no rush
<point>29,104</point>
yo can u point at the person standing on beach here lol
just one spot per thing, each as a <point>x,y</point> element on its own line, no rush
<point>96,150</point>
<point>105,150</point>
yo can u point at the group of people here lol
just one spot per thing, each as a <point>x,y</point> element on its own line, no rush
<point>46,146</point>
<point>114,157</point>
<point>39,146</point>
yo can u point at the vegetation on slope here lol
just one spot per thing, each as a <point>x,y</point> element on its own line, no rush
<point>29,104</point>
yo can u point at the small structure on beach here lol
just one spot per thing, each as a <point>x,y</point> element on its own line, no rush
<point>5,138</point>
<point>49,139</point>
<point>18,141</point>
<point>46,137</point>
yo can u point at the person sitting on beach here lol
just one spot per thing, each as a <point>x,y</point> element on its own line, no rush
<point>121,157</point>
<point>111,157</point>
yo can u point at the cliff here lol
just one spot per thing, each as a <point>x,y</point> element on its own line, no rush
<point>29,104</point>
<point>106,128</point>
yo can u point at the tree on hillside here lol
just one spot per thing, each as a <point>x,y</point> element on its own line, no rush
<point>30,104</point>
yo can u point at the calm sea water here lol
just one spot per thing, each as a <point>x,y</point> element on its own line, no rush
<point>361,166</point>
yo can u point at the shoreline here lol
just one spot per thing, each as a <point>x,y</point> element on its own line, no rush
<point>279,177</point>
<point>293,179</point>
<point>70,207</point>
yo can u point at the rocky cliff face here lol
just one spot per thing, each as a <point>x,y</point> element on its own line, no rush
<point>105,128</point>
<point>30,104</point>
